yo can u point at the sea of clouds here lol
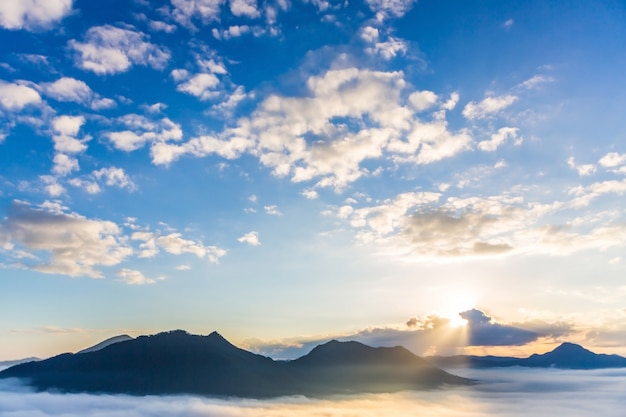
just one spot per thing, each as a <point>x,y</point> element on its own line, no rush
<point>502,392</point>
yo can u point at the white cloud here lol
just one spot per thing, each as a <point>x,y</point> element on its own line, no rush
<point>115,177</point>
<point>175,244</point>
<point>142,130</point>
<point>272,210</point>
<point>110,50</point>
<point>63,242</point>
<point>246,8</point>
<point>183,268</point>
<point>200,85</point>
<point>311,137</point>
<point>250,238</point>
<point>310,194</point>
<point>422,100</point>
<point>32,14</point>
<point>396,8</point>
<point>389,49</point>
<point>64,165</point>
<point>134,277</point>
<point>498,139</point>
<point>583,170</point>
<point>15,96</point>
<point>186,10</point>
<point>162,26</point>
<point>488,107</point>
<point>52,186</point>
<point>69,89</point>
<point>612,160</point>
<point>508,24</point>
<point>65,129</point>
<point>535,81</point>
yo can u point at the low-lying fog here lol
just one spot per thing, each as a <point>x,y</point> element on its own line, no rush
<point>504,392</point>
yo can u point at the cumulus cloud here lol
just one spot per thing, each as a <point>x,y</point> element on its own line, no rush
<point>65,134</point>
<point>614,162</point>
<point>134,277</point>
<point>250,238</point>
<point>272,210</point>
<point>114,177</point>
<point>109,50</point>
<point>15,96</point>
<point>33,14</point>
<point>200,85</point>
<point>583,170</point>
<point>394,8</point>
<point>488,107</point>
<point>77,91</point>
<point>141,130</point>
<point>175,244</point>
<point>64,165</point>
<point>424,226</point>
<point>62,242</point>
<point>498,139</point>
<point>247,8</point>
<point>186,10</point>
<point>349,116</point>
<point>310,194</point>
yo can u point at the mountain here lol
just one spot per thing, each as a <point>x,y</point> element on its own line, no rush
<point>177,362</point>
<point>572,356</point>
<point>566,356</point>
<point>107,342</point>
<point>17,361</point>
<point>352,367</point>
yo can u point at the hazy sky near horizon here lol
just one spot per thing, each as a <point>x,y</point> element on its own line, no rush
<point>284,172</point>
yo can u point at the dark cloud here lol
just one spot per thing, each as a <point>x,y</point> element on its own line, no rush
<point>484,331</point>
<point>424,335</point>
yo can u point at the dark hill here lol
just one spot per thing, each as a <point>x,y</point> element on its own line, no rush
<point>350,367</point>
<point>180,363</point>
<point>572,356</point>
<point>566,356</point>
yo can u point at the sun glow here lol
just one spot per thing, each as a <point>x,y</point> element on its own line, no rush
<point>456,305</point>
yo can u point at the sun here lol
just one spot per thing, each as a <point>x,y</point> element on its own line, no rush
<point>455,305</point>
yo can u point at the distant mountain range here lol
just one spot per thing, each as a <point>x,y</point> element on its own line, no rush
<point>17,362</point>
<point>180,363</point>
<point>566,356</point>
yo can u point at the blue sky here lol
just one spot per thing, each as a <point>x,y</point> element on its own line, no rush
<point>285,172</point>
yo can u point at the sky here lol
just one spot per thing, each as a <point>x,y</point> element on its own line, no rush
<point>445,175</point>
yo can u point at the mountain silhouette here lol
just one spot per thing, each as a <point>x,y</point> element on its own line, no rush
<point>177,362</point>
<point>573,356</point>
<point>566,356</point>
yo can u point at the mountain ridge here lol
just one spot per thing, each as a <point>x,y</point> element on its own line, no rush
<point>565,356</point>
<point>177,362</point>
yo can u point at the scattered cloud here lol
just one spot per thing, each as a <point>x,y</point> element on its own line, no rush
<point>15,96</point>
<point>490,106</point>
<point>175,244</point>
<point>134,277</point>
<point>187,10</point>
<point>583,170</point>
<point>62,242</point>
<point>72,90</point>
<point>272,210</point>
<point>250,238</point>
<point>109,50</point>
<point>33,14</point>
<point>498,139</point>
<point>391,8</point>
